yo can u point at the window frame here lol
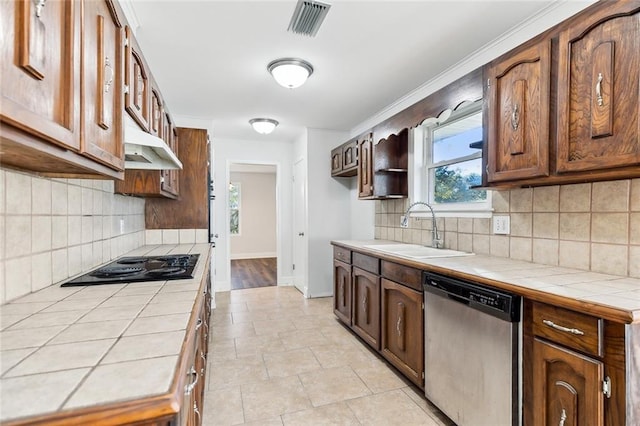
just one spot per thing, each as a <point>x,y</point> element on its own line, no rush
<point>424,168</point>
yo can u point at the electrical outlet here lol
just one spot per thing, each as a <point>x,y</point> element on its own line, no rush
<point>501,225</point>
<point>404,222</point>
<point>121,226</point>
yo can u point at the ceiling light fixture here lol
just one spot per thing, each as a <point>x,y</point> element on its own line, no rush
<point>290,72</point>
<point>263,125</point>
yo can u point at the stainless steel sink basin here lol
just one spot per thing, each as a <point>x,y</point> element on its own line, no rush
<point>415,251</point>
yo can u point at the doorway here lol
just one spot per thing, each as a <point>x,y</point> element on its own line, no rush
<point>252,225</point>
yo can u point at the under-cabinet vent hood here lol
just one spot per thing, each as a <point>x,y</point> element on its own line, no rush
<point>145,151</point>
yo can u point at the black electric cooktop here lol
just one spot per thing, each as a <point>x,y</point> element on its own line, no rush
<point>140,268</point>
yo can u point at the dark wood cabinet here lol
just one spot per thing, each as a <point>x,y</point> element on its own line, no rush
<point>103,67</point>
<point>156,113</point>
<point>191,209</point>
<point>517,104</point>
<point>169,178</point>
<point>342,291</point>
<point>137,83</point>
<point>599,91</point>
<point>403,329</point>
<point>344,159</point>
<point>61,88</point>
<point>366,306</point>
<point>365,166</point>
<point>566,387</point>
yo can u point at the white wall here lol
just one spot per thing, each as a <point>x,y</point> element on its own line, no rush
<point>328,209</point>
<point>257,236</point>
<point>257,151</point>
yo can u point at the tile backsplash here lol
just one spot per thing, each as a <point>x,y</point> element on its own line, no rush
<point>590,226</point>
<point>53,229</point>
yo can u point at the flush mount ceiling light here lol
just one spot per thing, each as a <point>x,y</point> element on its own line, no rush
<point>263,125</point>
<point>290,72</point>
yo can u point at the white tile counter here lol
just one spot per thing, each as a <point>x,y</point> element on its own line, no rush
<point>610,296</point>
<point>62,348</point>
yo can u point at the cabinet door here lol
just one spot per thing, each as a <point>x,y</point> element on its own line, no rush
<point>40,69</point>
<point>342,291</point>
<point>169,178</point>
<point>103,62</point>
<point>365,167</point>
<point>350,156</point>
<point>403,329</point>
<point>156,124</point>
<point>336,161</point>
<point>366,306</point>
<point>137,81</point>
<point>518,114</point>
<point>599,92</point>
<point>566,387</point>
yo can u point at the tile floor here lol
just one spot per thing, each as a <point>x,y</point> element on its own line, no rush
<point>276,358</point>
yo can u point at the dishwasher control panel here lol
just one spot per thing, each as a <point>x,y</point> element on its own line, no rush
<point>489,300</point>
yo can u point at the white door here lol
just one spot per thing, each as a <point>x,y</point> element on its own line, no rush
<point>300,227</point>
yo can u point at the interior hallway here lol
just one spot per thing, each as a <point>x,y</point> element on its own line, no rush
<point>252,273</point>
<point>276,358</point>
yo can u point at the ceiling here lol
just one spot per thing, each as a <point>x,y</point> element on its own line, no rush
<point>210,57</point>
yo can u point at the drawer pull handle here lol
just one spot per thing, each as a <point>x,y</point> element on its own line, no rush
<point>190,386</point>
<point>199,323</point>
<point>565,329</point>
<point>599,90</point>
<point>563,417</point>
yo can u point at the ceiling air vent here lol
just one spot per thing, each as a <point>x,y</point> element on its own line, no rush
<point>308,17</point>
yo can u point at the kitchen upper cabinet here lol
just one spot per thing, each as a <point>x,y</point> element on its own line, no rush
<point>383,167</point>
<point>40,69</point>
<point>566,387</point>
<point>403,329</point>
<point>344,159</point>
<point>191,209</point>
<point>156,127</point>
<point>365,166</point>
<point>517,103</point>
<point>61,88</point>
<point>137,83</point>
<point>103,66</point>
<point>342,291</point>
<point>599,90</point>
<point>366,306</point>
<point>169,178</point>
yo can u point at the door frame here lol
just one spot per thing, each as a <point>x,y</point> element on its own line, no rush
<point>227,216</point>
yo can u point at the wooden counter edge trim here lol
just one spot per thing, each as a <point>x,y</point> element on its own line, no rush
<point>603,311</point>
<point>151,410</point>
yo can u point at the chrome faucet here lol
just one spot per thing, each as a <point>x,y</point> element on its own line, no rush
<point>436,242</point>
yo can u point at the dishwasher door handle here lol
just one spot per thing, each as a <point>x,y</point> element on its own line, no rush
<point>458,299</point>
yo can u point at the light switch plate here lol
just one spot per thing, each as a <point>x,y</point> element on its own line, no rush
<point>501,225</point>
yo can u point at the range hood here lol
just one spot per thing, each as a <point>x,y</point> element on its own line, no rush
<point>145,151</point>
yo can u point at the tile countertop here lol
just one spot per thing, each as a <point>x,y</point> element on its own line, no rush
<point>64,348</point>
<point>609,296</point>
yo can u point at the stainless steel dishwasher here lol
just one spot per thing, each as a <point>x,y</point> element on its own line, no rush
<point>472,347</point>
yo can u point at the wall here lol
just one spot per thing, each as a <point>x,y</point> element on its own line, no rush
<point>53,229</point>
<point>257,216</point>
<point>590,226</point>
<point>229,151</point>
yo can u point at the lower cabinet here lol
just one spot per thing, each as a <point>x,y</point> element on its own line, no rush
<point>365,319</point>
<point>403,329</point>
<point>342,291</point>
<point>566,387</point>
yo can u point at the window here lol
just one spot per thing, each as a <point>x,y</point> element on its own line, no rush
<point>234,208</point>
<point>452,163</point>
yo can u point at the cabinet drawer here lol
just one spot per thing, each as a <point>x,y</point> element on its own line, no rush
<point>342,254</point>
<point>368,263</point>
<point>410,277</point>
<point>569,328</point>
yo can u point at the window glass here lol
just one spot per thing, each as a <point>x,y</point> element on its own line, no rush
<point>453,161</point>
<point>234,208</point>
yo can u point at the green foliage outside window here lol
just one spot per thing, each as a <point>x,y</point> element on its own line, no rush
<point>453,186</point>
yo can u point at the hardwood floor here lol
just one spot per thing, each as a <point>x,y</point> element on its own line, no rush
<point>252,273</point>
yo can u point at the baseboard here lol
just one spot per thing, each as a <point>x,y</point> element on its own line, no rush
<point>262,255</point>
<point>313,296</point>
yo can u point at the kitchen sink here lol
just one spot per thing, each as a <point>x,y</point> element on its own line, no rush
<point>415,251</point>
